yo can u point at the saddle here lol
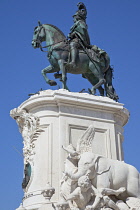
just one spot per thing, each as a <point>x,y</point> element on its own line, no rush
<point>97,54</point>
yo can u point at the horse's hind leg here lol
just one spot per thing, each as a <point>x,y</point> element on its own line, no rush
<point>95,69</point>
<point>48,69</point>
<point>93,80</point>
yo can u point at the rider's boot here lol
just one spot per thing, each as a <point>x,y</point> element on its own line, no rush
<point>74,53</point>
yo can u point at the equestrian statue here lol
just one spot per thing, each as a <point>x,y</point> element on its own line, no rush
<point>74,54</point>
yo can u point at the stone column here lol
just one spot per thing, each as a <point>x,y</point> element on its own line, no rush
<point>51,119</point>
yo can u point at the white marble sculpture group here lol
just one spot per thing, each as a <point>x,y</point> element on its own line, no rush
<point>91,181</point>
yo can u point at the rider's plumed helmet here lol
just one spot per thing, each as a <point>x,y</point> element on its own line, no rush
<point>81,12</point>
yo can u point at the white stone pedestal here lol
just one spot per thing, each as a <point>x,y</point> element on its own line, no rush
<point>64,117</point>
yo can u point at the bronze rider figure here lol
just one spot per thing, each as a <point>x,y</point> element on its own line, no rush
<point>78,32</point>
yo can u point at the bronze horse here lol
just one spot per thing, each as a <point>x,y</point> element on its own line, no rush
<point>96,72</point>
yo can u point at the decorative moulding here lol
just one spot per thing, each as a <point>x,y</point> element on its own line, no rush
<point>80,100</point>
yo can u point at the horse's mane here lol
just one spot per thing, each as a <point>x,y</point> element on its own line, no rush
<point>56,29</point>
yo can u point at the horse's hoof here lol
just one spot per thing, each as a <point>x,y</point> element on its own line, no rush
<point>93,91</point>
<point>52,83</point>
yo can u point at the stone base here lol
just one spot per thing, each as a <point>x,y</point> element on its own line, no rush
<point>64,116</point>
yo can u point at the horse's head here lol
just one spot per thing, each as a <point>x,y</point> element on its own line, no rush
<point>38,36</point>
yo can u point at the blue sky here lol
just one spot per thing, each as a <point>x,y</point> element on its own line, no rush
<point>113,26</point>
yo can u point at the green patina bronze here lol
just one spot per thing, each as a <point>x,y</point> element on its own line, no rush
<point>75,55</point>
<point>27,175</point>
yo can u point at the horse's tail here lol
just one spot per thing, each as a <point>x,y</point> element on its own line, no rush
<point>110,91</point>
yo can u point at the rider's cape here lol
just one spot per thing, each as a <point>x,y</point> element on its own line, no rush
<point>80,28</point>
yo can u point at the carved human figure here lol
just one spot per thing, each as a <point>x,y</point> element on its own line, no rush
<point>83,194</point>
<point>71,164</point>
<point>72,152</point>
<point>102,198</point>
<point>86,196</point>
<point>67,185</point>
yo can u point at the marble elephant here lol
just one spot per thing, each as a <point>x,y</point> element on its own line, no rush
<point>108,173</point>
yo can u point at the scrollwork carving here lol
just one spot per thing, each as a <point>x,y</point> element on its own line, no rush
<point>29,127</point>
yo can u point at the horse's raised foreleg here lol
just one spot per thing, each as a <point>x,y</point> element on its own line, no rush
<point>64,77</point>
<point>48,69</point>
